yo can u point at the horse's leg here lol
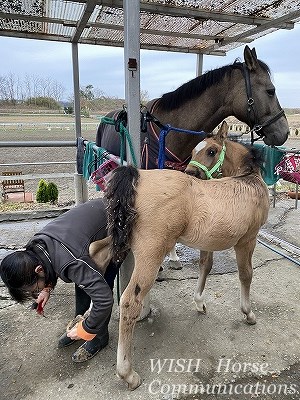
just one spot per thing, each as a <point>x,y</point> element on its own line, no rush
<point>142,279</point>
<point>100,253</point>
<point>174,259</point>
<point>205,264</point>
<point>244,254</point>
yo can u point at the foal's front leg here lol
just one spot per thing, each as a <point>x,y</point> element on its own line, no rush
<point>244,254</point>
<point>130,308</point>
<point>205,264</point>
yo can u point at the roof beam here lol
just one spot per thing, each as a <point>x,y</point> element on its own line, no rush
<point>105,42</point>
<point>88,10</point>
<point>195,13</point>
<point>268,25</point>
<point>35,36</point>
<point>163,32</point>
<point>36,18</point>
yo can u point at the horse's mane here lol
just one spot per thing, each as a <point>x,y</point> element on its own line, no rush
<point>192,89</point>
<point>253,159</point>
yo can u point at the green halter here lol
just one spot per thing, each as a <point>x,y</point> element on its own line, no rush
<point>216,168</point>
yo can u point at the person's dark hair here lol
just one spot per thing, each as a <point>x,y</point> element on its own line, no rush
<point>17,271</point>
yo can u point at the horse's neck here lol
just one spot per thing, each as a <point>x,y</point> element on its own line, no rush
<point>203,113</point>
<point>234,159</point>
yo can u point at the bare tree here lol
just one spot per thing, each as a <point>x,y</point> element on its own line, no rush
<point>3,91</point>
<point>11,87</point>
<point>57,90</point>
<point>144,96</point>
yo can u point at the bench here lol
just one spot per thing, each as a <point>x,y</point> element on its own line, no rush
<point>12,184</point>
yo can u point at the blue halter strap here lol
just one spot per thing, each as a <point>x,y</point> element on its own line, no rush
<point>162,141</point>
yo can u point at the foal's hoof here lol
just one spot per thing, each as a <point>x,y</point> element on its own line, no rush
<point>175,265</point>
<point>135,381</point>
<point>201,307</point>
<point>250,318</point>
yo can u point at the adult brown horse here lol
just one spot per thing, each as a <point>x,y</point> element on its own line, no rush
<point>149,211</point>
<point>242,89</point>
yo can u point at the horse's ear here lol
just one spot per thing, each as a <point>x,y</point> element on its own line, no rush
<point>253,51</point>
<point>250,58</point>
<point>222,132</point>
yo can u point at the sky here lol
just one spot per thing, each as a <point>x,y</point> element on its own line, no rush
<point>161,72</point>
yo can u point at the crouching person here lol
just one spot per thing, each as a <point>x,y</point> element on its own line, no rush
<point>74,248</point>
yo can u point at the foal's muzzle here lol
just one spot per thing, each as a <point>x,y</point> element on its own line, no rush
<point>194,172</point>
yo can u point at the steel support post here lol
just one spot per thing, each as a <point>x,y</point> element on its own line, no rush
<point>132,97</point>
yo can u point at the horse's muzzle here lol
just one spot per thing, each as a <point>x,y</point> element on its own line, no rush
<point>194,172</point>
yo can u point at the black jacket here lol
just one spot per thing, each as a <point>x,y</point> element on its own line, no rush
<point>64,245</point>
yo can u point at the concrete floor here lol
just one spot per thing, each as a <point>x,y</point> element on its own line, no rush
<point>243,362</point>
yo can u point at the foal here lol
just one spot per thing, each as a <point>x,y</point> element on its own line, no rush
<point>216,157</point>
<point>150,210</point>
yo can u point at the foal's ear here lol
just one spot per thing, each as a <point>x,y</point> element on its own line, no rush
<point>250,58</point>
<point>222,132</point>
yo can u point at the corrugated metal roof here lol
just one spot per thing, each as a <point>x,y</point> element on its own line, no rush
<point>204,26</point>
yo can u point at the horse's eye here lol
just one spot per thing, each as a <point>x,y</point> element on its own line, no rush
<point>271,92</point>
<point>211,152</point>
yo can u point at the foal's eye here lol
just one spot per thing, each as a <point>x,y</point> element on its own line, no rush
<point>271,92</point>
<point>211,152</point>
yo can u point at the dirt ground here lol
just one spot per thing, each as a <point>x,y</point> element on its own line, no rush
<point>33,367</point>
<point>59,128</point>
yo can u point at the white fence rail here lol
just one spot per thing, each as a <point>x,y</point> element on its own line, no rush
<point>46,125</point>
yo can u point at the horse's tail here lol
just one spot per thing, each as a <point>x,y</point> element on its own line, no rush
<point>120,195</point>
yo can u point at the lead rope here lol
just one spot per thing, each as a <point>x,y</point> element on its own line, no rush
<point>124,134</point>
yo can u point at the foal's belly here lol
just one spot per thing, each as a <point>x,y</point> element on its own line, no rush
<point>210,244</point>
<point>216,236</point>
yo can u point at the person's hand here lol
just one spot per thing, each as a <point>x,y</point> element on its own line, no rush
<point>43,297</point>
<point>72,334</point>
<point>41,301</point>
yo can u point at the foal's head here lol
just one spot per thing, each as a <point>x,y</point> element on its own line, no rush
<point>216,156</point>
<point>208,156</point>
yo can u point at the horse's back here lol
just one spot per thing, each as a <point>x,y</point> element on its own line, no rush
<point>161,196</point>
<point>162,183</point>
<point>107,137</point>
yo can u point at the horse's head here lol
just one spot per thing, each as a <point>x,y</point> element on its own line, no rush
<point>260,108</point>
<point>208,156</point>
<point>217,157</point>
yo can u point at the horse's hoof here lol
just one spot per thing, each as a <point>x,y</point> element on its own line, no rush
<point>250,318</point>
<point>135,381</point>
<point>201,308</point>
<point>175,265</point>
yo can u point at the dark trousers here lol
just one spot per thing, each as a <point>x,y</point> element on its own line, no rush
<point>83,300</point>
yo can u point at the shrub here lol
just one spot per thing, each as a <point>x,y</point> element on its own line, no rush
<point>46,192</point>
<point>68,110</point>
<point>41,101</point>
<point>42,192</point>
<point>52,191</point>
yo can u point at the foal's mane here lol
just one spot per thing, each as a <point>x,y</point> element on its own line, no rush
<point>192,89</point>
<point>253,159</point>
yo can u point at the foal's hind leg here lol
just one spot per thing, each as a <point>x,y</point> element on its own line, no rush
<point>205,264</point>
<point>142,279</point>
<point>244,252</point>
<point>174,259</point>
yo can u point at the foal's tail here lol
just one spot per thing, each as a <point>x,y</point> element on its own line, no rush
<point>120,195</point>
